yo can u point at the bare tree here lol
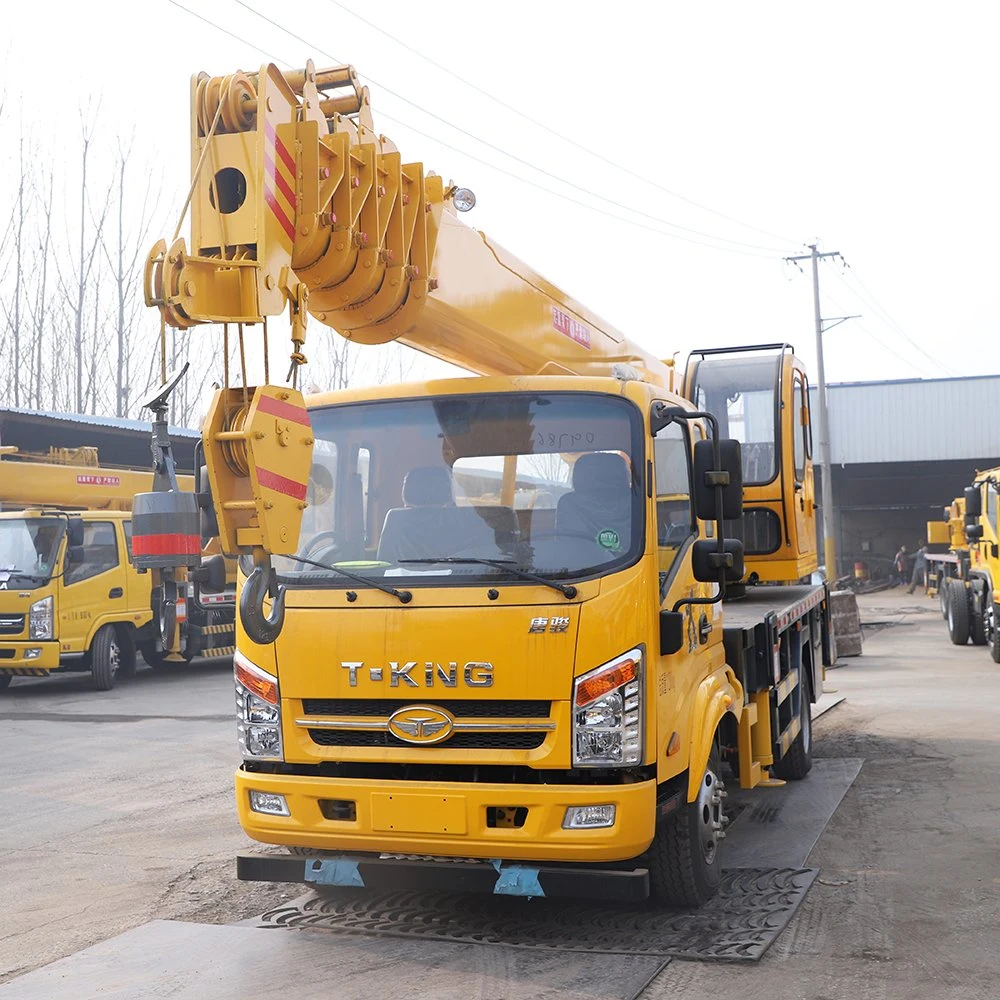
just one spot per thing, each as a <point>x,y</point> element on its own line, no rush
<point>12,309</point>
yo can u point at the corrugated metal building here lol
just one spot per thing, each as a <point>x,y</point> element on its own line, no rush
<point>901,451</point>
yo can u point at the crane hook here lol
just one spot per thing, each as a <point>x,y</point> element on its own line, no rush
<point>260,628</point>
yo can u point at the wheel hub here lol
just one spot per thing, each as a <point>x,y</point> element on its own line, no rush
<point>114,656</point>
<point>711,814</point>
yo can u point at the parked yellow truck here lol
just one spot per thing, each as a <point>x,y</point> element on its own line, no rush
<point>71,598</point>
<point>972,607</point>
<point>482,640</point>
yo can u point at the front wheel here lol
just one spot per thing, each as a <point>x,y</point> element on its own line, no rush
<point>958,614</point>
<point>943,596</point>
<point>105,658</point>
<point>993,630</point>
<point>978,625</point>
<point>684,862</point>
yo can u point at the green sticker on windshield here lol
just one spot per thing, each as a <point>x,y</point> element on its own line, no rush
<point>608,539</point>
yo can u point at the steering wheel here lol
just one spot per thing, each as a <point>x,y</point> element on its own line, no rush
<point>315,544</point>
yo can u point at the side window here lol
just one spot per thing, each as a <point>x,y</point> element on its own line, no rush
<point>672,476</point>
<point>99,552</point>
<point>799,430</point>
<point>364,474</point>
<point>991,508</point>
<point>127,529</point>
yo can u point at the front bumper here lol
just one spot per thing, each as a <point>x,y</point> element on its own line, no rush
<point>390,874</point>
<point>449,818</point>
<point>14,659</point>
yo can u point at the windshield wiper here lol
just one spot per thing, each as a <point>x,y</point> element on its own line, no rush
<point>566,589</point>
<point>404,596</point>
<point>14,571</point>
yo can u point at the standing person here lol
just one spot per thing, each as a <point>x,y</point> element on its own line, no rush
<point>919,568</point>
<point>899,566</point>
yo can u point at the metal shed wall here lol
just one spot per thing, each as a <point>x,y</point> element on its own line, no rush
<point>913,420</point>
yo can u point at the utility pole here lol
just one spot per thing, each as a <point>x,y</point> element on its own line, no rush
<point>822,325</point>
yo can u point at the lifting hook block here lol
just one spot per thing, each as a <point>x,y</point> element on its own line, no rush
<point>260,628</point>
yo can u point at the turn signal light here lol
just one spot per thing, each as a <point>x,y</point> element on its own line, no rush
<point>254,679</point>
<point>601,682</point>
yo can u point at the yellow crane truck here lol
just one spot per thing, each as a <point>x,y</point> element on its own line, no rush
<point>483,640</point>
<point>947,552</point>
<point>71,596</point>
<point>972,598</point>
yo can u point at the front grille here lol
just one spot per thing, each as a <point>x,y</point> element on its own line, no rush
<point>11,624</point>
<point>459,707</point>
<point>458,741</point>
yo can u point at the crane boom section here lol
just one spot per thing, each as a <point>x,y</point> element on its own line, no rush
<point>296,201</point>
<point>75,487</point>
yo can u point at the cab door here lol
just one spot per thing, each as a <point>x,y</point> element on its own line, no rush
<point>679,674</point>
<point>804,498</point>
<point>93,585</point>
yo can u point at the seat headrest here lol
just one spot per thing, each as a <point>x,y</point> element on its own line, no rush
<point>599,471</point>
<point>428,486</point>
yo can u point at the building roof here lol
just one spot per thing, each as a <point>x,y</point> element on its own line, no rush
<point>913,420</point>
<point>119,442</point>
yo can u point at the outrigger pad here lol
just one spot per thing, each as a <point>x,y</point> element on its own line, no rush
<point>752,908</point>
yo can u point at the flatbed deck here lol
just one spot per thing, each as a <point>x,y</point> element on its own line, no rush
<point>786,603</point>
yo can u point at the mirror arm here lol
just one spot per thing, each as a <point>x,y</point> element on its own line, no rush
<point>669,414</point>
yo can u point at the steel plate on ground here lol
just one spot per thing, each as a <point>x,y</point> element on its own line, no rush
<point>752,908</point>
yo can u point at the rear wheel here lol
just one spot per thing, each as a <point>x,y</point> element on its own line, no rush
<point>958,614</point>
<point>106,658</point>
<point>684,862</point>
<point>797,763</point>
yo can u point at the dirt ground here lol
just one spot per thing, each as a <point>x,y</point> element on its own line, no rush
<point>117,810</point>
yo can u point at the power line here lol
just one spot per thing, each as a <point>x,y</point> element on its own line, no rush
<point>552,131</point>
<point>870,300</point>
<point>507,153</point>
<point>493,166</point>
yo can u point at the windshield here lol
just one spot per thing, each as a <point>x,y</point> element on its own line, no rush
<point>543,482</point>
<point>28,549</point>
<point>741,392</point>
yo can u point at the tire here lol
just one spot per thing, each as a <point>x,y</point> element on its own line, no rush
<point>797,763</point>
<point>977,620</point>
<point>127,662</point>
<point>106,657</point>
<point>958,614</point>
<point>943,597</point>
<point>685,858</point>
<point>5,680</point>
<point>993,631</point>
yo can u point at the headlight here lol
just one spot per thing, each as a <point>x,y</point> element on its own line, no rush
<point>607,714</point>
<point>40,619</point>
<point>258,709</point>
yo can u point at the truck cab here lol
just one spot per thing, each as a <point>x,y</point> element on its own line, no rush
<point>70,599</point>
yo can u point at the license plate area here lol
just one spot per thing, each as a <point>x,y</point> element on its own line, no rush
<point>402,812</point>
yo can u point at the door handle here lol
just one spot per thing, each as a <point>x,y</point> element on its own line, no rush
<point>115,592</point>
<point>704,629</point>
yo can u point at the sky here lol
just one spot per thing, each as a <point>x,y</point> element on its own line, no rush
<point>754,128</point>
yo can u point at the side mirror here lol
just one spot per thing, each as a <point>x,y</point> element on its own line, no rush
<point>707,478</point>
<point>75,532</point>
<point>709,565</point>
<point>973,531</point>
<point>209,520</point>
<point>973,502</point>
<point>671,632</point>
<point>212,573</point>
